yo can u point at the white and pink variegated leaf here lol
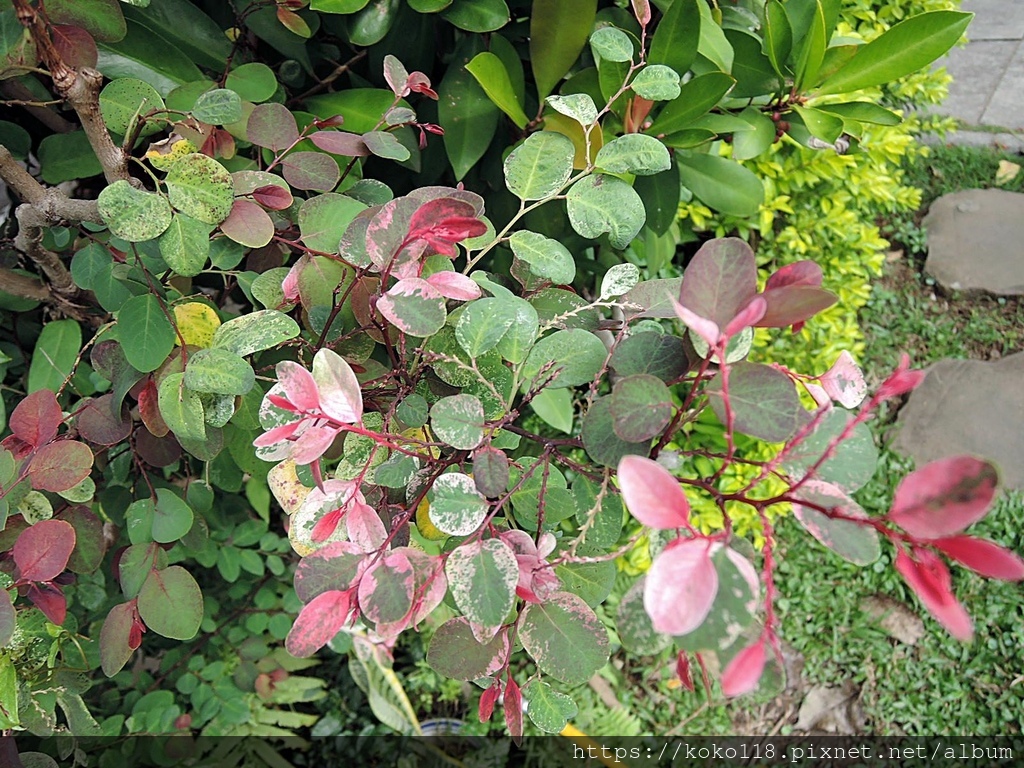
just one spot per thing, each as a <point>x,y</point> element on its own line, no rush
<point>928,576</point>
<point>746,317</point>
<point>681,586</point>
<point>844,381</point>
<point>651,494</point>
<point>298,385</point>
<point>414,306</point>
<point>341,397</point>
<point>271,414</point>
<point>396,75</point>
<point>312,444</point>
<point>454,285</point>
<point>706,329</point>
<point>740,675</point>
<point>821,397</point>
<point>319,621</point>
<point>274,444</point>
<point>365,528</point>
<point>386,590</point>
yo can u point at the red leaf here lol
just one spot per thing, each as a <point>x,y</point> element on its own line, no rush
<point>59,466</point>
<point>149,410</point>
<point>742,673</point>
<point>334,121</point>
<point>681,587</point>
<point>983,557</point>
<point>37,418</point>
<point>272,126</point>
<point>514,710</point>
<point>443,222</point>
<point>420,83</point>
<point>42,550</point>
<point>98,423</point>
<point>720,280</point>
<point>273,197</point>
<point>50,600</point>
<point>793,304</point>
<point>706,329</point>
<point>798,273</point>
<point>74,45</point>
<point>248,224</point>
<point>319,621</point>
<point>341,143</point>
<point>928,576</point>
<point>683,671</point>
<point>651,494</point>
<point>944,497</point>
<point>902,380</point>
<point>326,526</point>
<point>487,700</point>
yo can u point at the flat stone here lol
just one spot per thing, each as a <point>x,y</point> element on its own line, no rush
<point>995,19</point>
<point>977,70</point>
<point>1003,108</point>
<point>972,407</point>
<point>976,241</point>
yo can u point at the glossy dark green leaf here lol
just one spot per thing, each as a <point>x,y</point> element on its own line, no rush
<point>147,56</point>
<point>56,352</point>
<point>187,28</point>
<point>722,184</point>
<point>660,195</point>
<point>492,76</point>
<point>468,117</point>
<point>558,31</point>
<point>370,25</point>
<point>145,333</point>
<point>676,37</point>
<point>696,98</point>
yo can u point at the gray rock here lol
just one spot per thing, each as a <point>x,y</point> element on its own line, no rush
<point>976,241</point>
<point>968,406</point>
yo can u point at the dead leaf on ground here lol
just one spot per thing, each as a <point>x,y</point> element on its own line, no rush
<point>1006,172</point>
<point>895,618</point>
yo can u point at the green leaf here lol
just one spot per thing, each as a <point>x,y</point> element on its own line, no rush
<point>459,421</point>
<point>591,581</point>
<point>468,117</point>
<point>657,354</point>
<point>713,44</point>
<point>548,709</point>
<point>494,79</point>
<point>634,153</point>
<point>517,342</point>
<point>540,166</point>
<point>134,214</point>
<point>55,355</point>
<point>565,637</point>
<point>778,36</point>
<point>171,603</point>
<point>575,357</point>
<point>477,15</point>
<point>100,18</point>
<point>753,71</point>
<point>182,23</point>
<point>641,407</point>
<point>546,258</point>
<point>324,218</point>
<point>125,100</point>
<point>457,507</point>
<point>853,463</point>
<point>656,82</point>
<point>172,517</point>
<point>751,143</point>
<point>579,106</point>
<point>822,125</point>
<point>255,332</point>
<point>383,144</point>
<point>146,334</point>
<point>67,156</point>
<point>695,98</point>
<point>862,112</point>
<point>612,44</point>
<point>362,107</point>
<point>200,187</point>
<point>558,31</point>
<point>721,183</point>
<point>850,540</point>
<point>554,406</point>
<point>677,36</point>
<point>338,6</point>
<point>599,438</point>
<point>660,194</point>
<point>482,576</point>
<point>220,106</point>
<point>764,402</point>
<point>147,56</point>
<point>370,25</point>
<point>455,653</point>
<point>220,372</point>
<point>618,280</point>
<point>906,47</point>
<point>114,648</point>
<point>811,51</point>
<point>181,408</point>
<point>185,245</point>
<point>600,204</point>
<point>253,82</point>
<point>482,324</point>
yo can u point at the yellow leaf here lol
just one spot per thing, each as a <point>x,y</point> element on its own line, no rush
<point>197,322</point>
<point>574,131</point>
<point>287,488</point>
<point>425,525</point>
<point>1007,172</point>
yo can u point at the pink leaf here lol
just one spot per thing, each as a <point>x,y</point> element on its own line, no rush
<point>319,621</point>
<point>365,528</point>
<point>642,11</point>
<point>60,465</point>
<point>298,385</point>
<point>902,381</point>
<point>453,285</point>
<point>720,280</point>
<point>272,126</point>
<point>819,394</point>
<point>487,700</point>
<point>651,494</point>
<point>49,599</point>
<point>706,329</point>
<point>396,75</point>
<point>248,224</point>
<point>312,444</point>
<point>683,671</point>
<point>420,83</point>
<point>43,549</point>
<point>798,273</point>
<point>341,143</point>
<point>514,710</point>
<point>681,587</point>
<point>290,285</point>
<point>326,526</point>
<point>341,397</point>
<point>273,196</point>
<point>844,381</point>
<point>983,557</point>
<point>747,316</point>
<point>36,418</point>
<point>742,673</point>
<point>944,497</point>
<point>444,222</point>
<point>277,434</point>
<point>928,576</point>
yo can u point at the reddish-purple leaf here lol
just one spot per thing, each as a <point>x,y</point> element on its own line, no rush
<point>49,599</point>
<point>720,280</point>
<point>983,557</point>
<point>99,422</point>
<point>902,380</point>
<point>928,576</point>
<point>487,700</point>
<point>681,586</point>
<point>651,494</point>
<point>944,497</point>
<point>114,646</point>
<point>319,621</point>
<point>42,550</point>
<point>36,418</point>
<point>514,710</point>
<point>396,76</point>
<point>742,673</point>
<point>340,394</point>
<point>74,45</point>
<point>341,143</point>
<point>273,196</point>
<point>336,566</point>
<point>248,224</point>
<point>311,170</point>
<point>334,121</point>
<point>844,381</point>
<point>365,528</point>
<point>293,22</point>
<point>386,588</point>
<point>156,451</point>
<point>149,410</point>
<point>792,304</point>
<point>642,11</point>
<point>749,315</point>
<point>60,466</point>
<point>454,285</point>
<point>272,126</point>
<point>443,222</point>
<point>90,544</point>
<point>420,83</point>
<point>798,273</point>
<point>683,671</point>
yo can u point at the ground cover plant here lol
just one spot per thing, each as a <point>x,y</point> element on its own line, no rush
<point>350,339</point>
